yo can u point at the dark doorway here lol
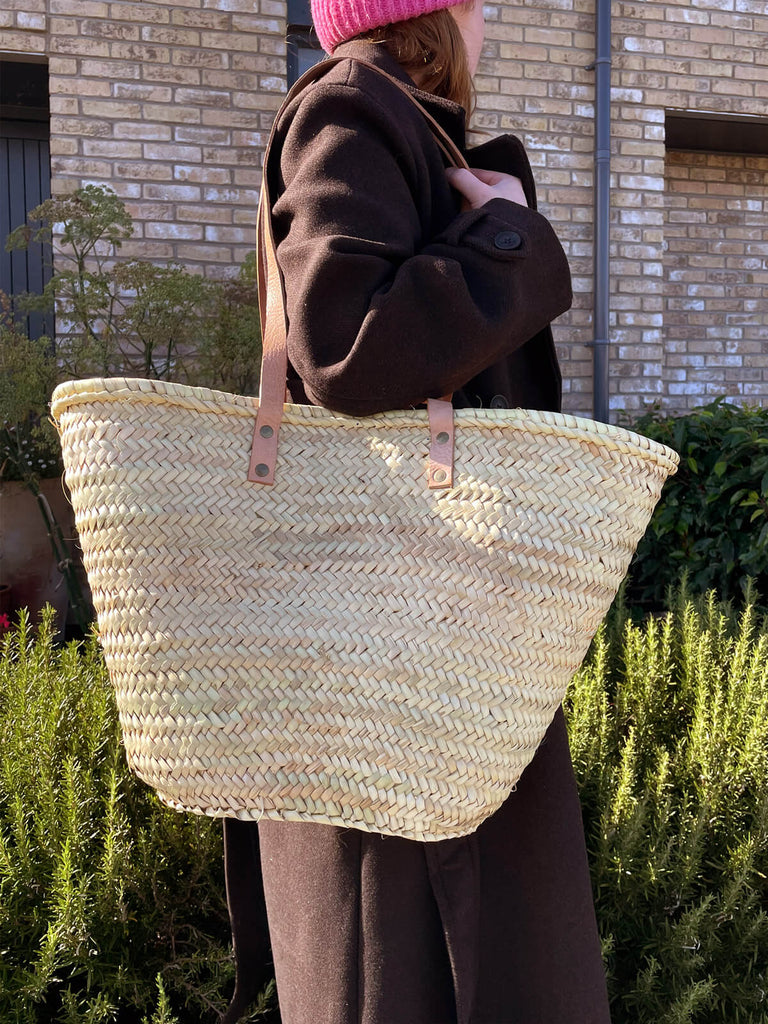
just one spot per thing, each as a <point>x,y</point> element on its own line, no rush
<point>25,177</point>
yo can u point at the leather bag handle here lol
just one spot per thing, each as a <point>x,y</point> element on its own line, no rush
<point>274,363</point>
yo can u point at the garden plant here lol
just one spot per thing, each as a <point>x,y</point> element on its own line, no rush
<point>112,907</point>
<point>114,317</point>
<point>117,317</point>
<point>712,520</point>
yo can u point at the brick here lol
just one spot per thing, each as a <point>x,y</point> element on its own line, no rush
<point>81,166</point>
<point>141,170</point>
<point>236,118</point>
<point>62,146</point>
<point>100,28</point>
<point>142,130</point>
<point>74,45</point>
<point>139,14</point>
<point>64,105</point>
<point>165,230</point>
<point>23,42</point>
<point>75,8</point>
<point>112,149</point>
<point>212,253</point>
<point>229,5</point>
<point>203,97</point>
<point>209,213</point>
<point>110,70</point>
<point>31,22</point>
<point>247,176</point>
<point>231,156</point>
<point>218,20</point>
<point>172,35</point>
<point>146,250</point>
<point>198,58</point>
<point>59,67</point>
<point>277,85</point>
<point>142,93</point>
<point>272,44</point>
<point>150,211</point>
<point>234,235</point>
<point>173,74</point>
<point>175,113</point>
<point>234,196</point>
<point>253,24</point>
<point>172,152</point>
<point>255,63</point>
<point>141,52</point>
<point>173,193</point>
<point>79,126</point>
<point>199,174</point>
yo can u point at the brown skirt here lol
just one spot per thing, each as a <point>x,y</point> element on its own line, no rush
<point>495,928</point>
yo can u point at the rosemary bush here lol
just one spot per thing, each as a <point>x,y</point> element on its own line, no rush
<point>669,732</point>
<point>102,889</point>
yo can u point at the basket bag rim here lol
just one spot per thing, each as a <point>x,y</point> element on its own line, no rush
<point>207,400</point>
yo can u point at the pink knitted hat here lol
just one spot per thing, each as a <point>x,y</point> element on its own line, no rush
<point>337,20</point>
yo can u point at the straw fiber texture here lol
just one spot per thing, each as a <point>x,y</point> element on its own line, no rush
<point>345,646</point>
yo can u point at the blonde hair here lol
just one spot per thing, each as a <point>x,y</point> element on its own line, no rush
<point>431,50</point>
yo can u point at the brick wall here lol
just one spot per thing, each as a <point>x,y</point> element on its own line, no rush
<point>533,81</point>
<point>170,102</point>
<point>707,55</point>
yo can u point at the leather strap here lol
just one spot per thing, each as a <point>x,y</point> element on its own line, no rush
<point>274,363</point>
<point>440,466</point>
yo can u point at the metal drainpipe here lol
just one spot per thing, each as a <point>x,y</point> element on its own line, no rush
<point>602,66</point>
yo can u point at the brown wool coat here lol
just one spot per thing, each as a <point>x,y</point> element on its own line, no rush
<point>394,295</point>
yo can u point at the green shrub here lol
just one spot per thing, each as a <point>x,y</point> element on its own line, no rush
<point>112,907</point>
<point>669,733</point>
<point>132,318</point>
<point>712,520</point>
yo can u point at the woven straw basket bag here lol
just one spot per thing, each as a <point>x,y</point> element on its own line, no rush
<point>372,628</point>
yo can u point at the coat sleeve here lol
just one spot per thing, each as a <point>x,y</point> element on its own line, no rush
<point>382,315</point>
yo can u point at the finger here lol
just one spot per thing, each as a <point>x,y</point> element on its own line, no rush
<point>488,177</point>
<point>464,181</point>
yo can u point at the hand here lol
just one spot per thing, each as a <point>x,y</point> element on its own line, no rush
<point>478,187</point>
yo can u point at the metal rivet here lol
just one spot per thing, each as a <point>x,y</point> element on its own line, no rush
<point>262,469</point>
<point>439,476</point>
<point>442,437</point>
<point>266,431</point>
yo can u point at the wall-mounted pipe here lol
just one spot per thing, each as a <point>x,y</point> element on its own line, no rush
<point>600,341</point>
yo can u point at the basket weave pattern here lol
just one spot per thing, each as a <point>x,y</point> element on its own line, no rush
<point>372,653</point>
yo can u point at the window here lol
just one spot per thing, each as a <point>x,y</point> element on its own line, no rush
<point>304,48</point>
<point>716,133</point>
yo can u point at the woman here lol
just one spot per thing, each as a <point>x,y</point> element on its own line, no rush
<point>405,281</point>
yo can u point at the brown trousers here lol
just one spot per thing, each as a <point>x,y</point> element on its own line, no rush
<point>495,928</point>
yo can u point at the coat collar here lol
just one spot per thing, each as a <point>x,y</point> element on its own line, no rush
<point>449,115</point>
